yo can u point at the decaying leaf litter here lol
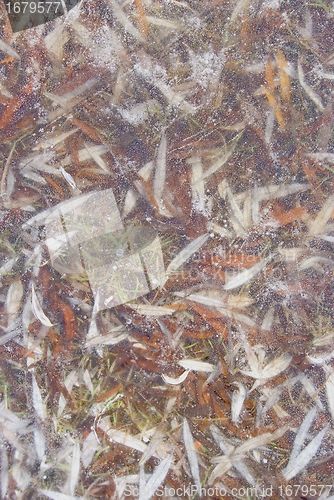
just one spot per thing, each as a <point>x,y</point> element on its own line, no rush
<point>211,124</point>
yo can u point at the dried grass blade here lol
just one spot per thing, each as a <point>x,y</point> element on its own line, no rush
<point>228,449</point>
<point>273,191</point>
<point>64,100</point>
<point>224,465</point>
<point>147,69</point>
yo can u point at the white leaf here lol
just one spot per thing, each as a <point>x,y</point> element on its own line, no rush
<point>276,366</point>
<point>55,495</point>
<point>323,156</point>
<point>191,453</point>
<point>236,215</point>
<point>38,403</point>
<point>68,178</point>
<point>88,381</point>
<point>7,49</point>
<point>122,437</point>
<point>165,23</point>
<point>95,153</point>
<point>229,150</point>
<point>246,275</point>
<point>7,266</point>
<point>89,447</point>
<point>302,435</point>
<point>160,170</point>
<point>319,223</point>
<point>330,390</point>
<point>52,141</point>
<point>238,398</point>
<point>308,90</point>
<point>228,449</point>
<point>303,459</point>
<point>258,441</point>
<point>40,444</point>
<point>197,366</point>
<point>186,253</point>
<point>238,9</point>
<point>197,185</point>
<point>123,20</point>
<point>175,381</point>
<point>273,191</point>
<point>64,100</point>
<point>13,300</point>
<point>75,468</point>
<point>150,310</point>
<point>311,390</point>
<point>151,72</point>
<point>129,203</point>
<point>3,471</point>
<point>156,479</point>
<point>37,309</point>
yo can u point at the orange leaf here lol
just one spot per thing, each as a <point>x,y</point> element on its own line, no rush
<point>269,76</point>
<point>283,76</point>
<point>284,218</point>
<point>276,107</point>
<point>87,129</point>
<point>142,19</point>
